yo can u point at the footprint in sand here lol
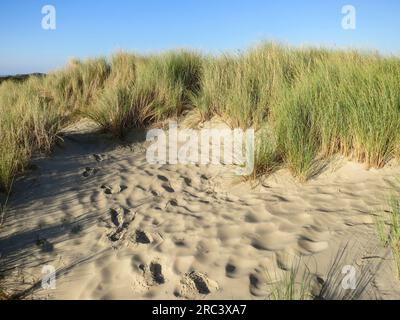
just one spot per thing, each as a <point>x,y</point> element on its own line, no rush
<point>187,181</point>
<point>148,173</point>
<point>76,229</point>
<point>142,237</point>
<point>173,202</point>
<point>168,188</point>
<point>120,219</point>
<point>153,273</point>
<point>162,178</point>
<point>99,157</point>
<point>113,189</point>
<point>166,185</point>
<point>195,284</point>
<point>260,280</point>
<point>45,245</point>
<point>117,216</point>
<point>230,270</point>
<point>155,193</point>
<point>89,172</point>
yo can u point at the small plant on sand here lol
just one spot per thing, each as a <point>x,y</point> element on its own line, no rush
<point>266,159</point>
<point>299,283</point>
<point>295,285</point>
<point>388,229</point>
<point>332,286</point>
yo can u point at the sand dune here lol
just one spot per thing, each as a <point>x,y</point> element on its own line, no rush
<point>115,226</point>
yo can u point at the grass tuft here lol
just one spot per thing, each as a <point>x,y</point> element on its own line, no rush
<point>388,229</point>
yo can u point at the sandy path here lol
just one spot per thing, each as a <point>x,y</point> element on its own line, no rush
<point>116,227</point>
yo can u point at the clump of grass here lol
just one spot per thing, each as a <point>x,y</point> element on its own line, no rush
<point>29,124</point>
<point>244,88</point>
<point>296,135</point>
<point>10,157</point>
<point>299,283</point>
<point>141,90</point>
<point>348,104</point>
<point>388,230</point>
<point>34,111</point>
<point>170,79</point>
<point>295,285</point>
<point>319,102</point>
<point>240,88</point>
<point>123,68</point>
<point>77,87</point>
<point>266,159</point>
<point>332,287</point>
<point>121,107</point>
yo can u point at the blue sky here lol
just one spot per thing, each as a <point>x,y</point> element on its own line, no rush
<point>88,28</point>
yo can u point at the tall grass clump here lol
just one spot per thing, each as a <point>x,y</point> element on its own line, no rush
<point>348,104</point>
<point>239,88</point>
<point>142,90</point>
<point>115,109</point>
<point>296,135</point>
<point>249,89</point>
<point>245,87</point>
<point>121,107</point>
<point>170,79</point>
<point>376,112</point>
<point>29,123</point>
<point>34,111</point>
<point>266,158</point>
<point>76,87</point>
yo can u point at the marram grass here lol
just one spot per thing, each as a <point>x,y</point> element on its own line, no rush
<point>315,103</point>
<point>388,229</point>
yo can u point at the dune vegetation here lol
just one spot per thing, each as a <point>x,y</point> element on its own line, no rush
<point>388,228</point>
<point>307,104</point>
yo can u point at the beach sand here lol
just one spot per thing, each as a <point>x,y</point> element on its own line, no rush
<point>116,227</point>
